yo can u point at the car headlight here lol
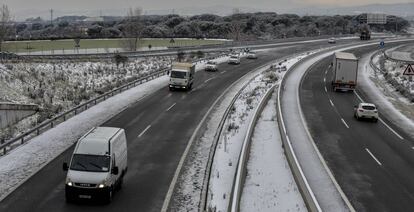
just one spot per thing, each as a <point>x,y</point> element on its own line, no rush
<point>69,183</point>
<point>101,185</point>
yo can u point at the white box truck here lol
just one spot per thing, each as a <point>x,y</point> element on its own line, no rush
<point>97,166</point>
<point>345,71</point>
<point>182,76</point>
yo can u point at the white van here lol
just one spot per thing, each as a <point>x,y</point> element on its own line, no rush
<point>97,166</point>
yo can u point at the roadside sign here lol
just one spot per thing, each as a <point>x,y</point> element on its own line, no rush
<point>382,44</point>
<point>409,70</point>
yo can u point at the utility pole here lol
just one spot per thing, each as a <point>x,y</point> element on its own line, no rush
<point>51,17</point>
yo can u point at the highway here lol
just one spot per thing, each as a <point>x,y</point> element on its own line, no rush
<point>158,128</point>
<point>372,162</point>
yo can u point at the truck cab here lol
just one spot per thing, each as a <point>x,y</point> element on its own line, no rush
<point>182,76</point>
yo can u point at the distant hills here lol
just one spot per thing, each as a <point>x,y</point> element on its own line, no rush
<point>402,10</point>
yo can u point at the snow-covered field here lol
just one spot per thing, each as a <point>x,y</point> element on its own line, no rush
<point>392,73</point>
<point>269,184</point>
<point>57,87</point>
<point>24,161</point>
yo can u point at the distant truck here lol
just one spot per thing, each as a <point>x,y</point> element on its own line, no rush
<point>182,76</point>
<point>365,33</point>
<point>345,71</point>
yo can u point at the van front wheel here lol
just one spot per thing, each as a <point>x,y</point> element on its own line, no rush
<point>108,196</point>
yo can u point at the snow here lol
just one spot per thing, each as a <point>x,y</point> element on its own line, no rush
<point>397,108</point>
<point>24,161</point>
<point>270,185</point>
<point>187,195</point>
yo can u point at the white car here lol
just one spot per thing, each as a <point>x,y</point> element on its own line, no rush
<point>366,111</point>
<point>251,55</point>
<point>234,59</point>
<point>331,40</point>
<point>211,66</point>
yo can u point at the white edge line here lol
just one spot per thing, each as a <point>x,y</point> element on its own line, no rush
<point>343,121</point>
<point>209,79</point>
<point>145,130</point>
<point>168,196</point>
<point>326,90</point>
<point>382,121</point>
<point>331,103</point>
<point>369,152</point>
<point>171,107</point>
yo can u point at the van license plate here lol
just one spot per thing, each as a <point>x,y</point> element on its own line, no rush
<point>85,196</point>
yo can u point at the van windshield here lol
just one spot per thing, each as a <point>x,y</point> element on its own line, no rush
<point>90,163</point>
<point>178,74</point>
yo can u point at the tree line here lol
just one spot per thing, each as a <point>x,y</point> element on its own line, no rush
<point>238,26</point>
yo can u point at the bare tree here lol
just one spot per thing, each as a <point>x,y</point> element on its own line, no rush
<point>133,28</point>
<point>235,26</point>
<point>5,22</point>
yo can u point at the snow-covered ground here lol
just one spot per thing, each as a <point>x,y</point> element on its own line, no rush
<point>392,72</point>
<point>270,185</point>
<point>234,131</point>
<point>57,87</point>
<point>397,108</point>
<point>24,161</point>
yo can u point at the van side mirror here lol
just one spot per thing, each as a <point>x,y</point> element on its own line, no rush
<point>65,167</point>
<point>115,170</point>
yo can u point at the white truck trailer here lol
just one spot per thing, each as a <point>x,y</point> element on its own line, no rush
<point>182,76</point>
<point>345,71</point>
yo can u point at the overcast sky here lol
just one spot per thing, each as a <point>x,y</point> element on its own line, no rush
<point>16,5</point>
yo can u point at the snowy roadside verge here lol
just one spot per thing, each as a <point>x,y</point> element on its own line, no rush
<point>398,109</point>
<point>188,193</point>
<point>230,142</point>
<point>270,185</point>
<point>24,161</point>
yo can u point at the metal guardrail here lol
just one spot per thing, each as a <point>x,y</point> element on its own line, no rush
<point>37,130</point>
<point>300,178</point>
<point>241,171</point>
<point>227,44</point>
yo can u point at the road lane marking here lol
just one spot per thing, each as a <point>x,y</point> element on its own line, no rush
<point>171,107</point>
<point>392,130</point>
<point>326,90</point>
<point>369,152</point>
<point>145,130</point>
<point>324,79</point>
<point>332,103</point>
<point>209,79</point>
<point>343,121</point>
<point>382,121</point>
<point>223,72</point>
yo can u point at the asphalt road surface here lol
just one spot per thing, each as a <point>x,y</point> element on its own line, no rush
<point>158,129</point>
<point>373,165</point>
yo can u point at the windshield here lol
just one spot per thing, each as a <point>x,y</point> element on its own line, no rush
<point>234,57</point>
<point>211,63</point>
<point>365,107</point>
<point>178,74</point>
<point>90,163</point>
